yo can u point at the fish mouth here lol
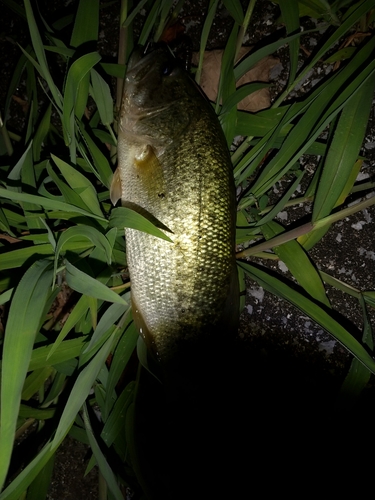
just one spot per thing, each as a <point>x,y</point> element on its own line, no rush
<point>143,114</point>
<point>142,55</point>
<point>137,64</point>
<point>137,75</point>
<point>136,57</point>
<point>135,111</point>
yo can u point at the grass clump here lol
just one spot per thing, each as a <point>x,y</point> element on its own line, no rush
<point>58,227</point>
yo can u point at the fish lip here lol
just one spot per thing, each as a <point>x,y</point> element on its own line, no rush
<point>137,62</point>
<point>135,58</point>
<point>136,112</point>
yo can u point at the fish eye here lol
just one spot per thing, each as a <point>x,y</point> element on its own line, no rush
<point>167,68</point>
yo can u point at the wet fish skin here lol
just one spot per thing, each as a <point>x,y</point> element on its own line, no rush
<point>174,164</point>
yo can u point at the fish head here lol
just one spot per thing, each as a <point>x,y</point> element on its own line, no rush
<point>159,99</point>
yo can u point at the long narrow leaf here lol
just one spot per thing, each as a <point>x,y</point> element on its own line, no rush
<point>314,311</point>
<point>83,283</point>
<point>81,185</point>
<point>298,263</point>
<point>41,56</point>
<point>86,23</point>
<point>80,391</point>
<point>46,203</point>
<point>289,11</point>
<point>104,467</point>
<point>344,150</point>
<point>22,326</point>
<point>122,217</point>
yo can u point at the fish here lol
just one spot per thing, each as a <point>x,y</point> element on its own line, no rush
<point>174,166</point>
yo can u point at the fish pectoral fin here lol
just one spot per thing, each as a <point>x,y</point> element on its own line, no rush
<point>115,190</point>
<point>145,157</point>
<point>149,169</point>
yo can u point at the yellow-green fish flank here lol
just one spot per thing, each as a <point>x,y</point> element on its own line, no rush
<point>174,164</point>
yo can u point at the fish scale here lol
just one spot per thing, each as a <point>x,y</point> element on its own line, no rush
<point>174,165</point>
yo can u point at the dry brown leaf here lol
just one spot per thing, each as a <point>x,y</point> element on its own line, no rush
<point>22,102</point>
<point>259,73</point>
<point>8,238</point>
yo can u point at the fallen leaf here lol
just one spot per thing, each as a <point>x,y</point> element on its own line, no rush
<point>22,102</point>
<point>259,73</point>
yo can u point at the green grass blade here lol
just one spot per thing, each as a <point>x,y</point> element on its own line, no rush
<point>104,467</point>
<point>19,485</point>
<point>62,50</point>
<point>289,11</point>
<point>352,19</point>
<point>32,212</point>
<point>121,356</point>
<point>16,258</point>
<point>24,320</point>
<point>76,73</point>
<point>80,391</point>
<point>81,185</point>
<point>41,133</point>
<point>313,121</point>
<point>135,11</point>
<point>76,314</point>
<point>31,412</point>
<point>298,263</point>
<point>83,283</point>
<point>234,8</point>
<point>55,389</point>
<point>40,54</point>
<point>240,94</point>
<point>97,239</point>
<point>86,24</point>
<point>66,351</point>
<point>122,217</point>
<point>165,10</point>
<point>20,11</point>
<point>250,60</point>
<point>34,381</point>
<point>149,23</point>
<point>16,78</point>
<point>114,424</point>
<point>204,36</point>
<point>358,375</point>
<point>103,98</point>
<point>116,70</point>
<point>109,318</point>
<point>102,167</point>
<point>227,86</point>
<point>15,173</point>
<point>69,195</point>
<point>278,287</point>
<point>46,203</point>
<point>39,487</point>
<point>310,239</point>
<point>278,207</point>
<point>344,150</point>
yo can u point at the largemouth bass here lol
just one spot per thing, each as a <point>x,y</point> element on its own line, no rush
<point>174,165</point>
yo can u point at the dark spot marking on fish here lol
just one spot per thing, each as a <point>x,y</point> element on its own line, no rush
<point>161,195</point>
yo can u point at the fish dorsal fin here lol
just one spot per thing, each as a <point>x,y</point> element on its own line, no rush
<point>115,190</point>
